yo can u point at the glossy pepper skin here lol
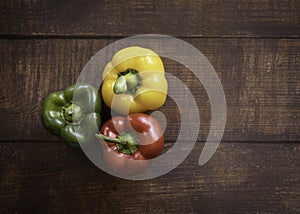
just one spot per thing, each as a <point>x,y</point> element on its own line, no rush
<point>134,81</point>
<point>72,121</point>
<point>137,137</point>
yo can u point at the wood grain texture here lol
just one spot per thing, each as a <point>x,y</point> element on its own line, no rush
<point>260,78</point>
<point>254,47</point>
<point>193,18</point>
<point>279,18</point>
<point>240,178</point>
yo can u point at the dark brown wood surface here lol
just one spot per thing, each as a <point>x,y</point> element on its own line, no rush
<point>240,178</point>
<point>186,18</point>
<point>254,47</point>
<point>260,78</point>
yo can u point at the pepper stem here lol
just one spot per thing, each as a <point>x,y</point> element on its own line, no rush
<point>128,82</point>
<point>126,142</point>
<point>72,113</point>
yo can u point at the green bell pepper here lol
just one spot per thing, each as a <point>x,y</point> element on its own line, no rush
<point>75,121</point>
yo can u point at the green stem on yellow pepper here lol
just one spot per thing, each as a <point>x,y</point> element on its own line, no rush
<point>128,82</point>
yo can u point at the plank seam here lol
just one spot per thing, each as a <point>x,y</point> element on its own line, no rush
<point>54,36</point>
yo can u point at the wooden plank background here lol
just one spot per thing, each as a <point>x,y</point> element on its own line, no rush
<point>254,47</point>
<point>240,178</point>
<point>251,71</point>
<point>181,18</point>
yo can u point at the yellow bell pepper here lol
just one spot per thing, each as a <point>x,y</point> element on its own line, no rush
<point>134,81</point>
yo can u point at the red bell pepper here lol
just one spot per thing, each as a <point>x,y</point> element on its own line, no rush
<point>135,137</point>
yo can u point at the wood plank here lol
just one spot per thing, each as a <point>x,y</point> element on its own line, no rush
<point>240,178</point>
<point>181,18</point>
<point>260,78</point>
<point>279,18</point>
<point>104,18</point>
